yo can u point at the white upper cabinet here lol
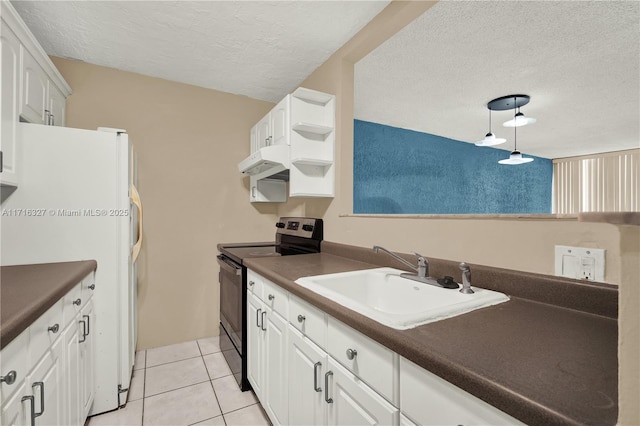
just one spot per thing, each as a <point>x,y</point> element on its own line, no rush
<point>57,104</point>
<point>304,122</point>
<point>279,119</point>
<point>33,105</point>
<point>9,95</point>
<point>31,89</point>
<point>263,132</point>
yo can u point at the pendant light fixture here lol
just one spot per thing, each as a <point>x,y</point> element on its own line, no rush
<point>519,120</point>
<point>516,157</point>
<point>490,139</point>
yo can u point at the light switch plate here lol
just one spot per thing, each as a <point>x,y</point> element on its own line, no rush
<point>580,263</point>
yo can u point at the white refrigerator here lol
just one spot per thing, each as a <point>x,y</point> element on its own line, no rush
<point>77,200</point>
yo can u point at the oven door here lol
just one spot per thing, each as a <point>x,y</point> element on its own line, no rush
<point>231,312</point>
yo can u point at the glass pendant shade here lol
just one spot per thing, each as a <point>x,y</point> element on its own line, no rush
<point>519,120</point>
<point>490,140</point>
<point>515,158</point>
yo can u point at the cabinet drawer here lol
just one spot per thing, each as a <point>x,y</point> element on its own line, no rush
<point>372,362</point>
<point>14,358</point>
<point>430,400</point>
<point>309,320</point>
<point>276,298</point>
<point>41,338</point>
<point>70,307</point>
<point>254,283</point>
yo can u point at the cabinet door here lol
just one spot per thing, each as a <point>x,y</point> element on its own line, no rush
<point>430,400</point>
<point>16,411</point>
<point>87,345</point>
<point>255,343</point>
<point>9,95</point>
<point>307,365</point>
<point>280,122</point>
<point>276,368</point>
<point>263,132</point>
<point>57,103</point>
<point>45,384</point>
<point>267,191</point>
<point>72,376</point>
<point>355,403</point>
<point>34,90</point>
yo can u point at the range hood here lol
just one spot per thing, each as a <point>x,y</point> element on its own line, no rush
<point>268,162</point>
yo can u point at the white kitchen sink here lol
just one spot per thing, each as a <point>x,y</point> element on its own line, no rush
<point>382,295</point>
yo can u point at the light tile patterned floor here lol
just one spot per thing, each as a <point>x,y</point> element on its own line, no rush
<point>184,384</point>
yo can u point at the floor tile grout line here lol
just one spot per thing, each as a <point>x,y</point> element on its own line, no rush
<point>144,387</point>
<point>181,387</point>
<point>215,395</point>
<point>173,362</point>
<point>238,409</point>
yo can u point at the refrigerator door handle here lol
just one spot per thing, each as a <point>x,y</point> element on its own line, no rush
<point>135,198</point>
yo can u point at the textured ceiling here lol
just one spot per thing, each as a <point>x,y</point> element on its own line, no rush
<point>261,49</point>
<point>579,62</point>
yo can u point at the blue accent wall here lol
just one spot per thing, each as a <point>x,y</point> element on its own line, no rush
<point>400,171</point>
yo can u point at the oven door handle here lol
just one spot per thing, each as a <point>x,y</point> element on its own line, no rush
<point>228,266</point>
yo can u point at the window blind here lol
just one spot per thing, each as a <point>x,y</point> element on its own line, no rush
<point>596,183</point>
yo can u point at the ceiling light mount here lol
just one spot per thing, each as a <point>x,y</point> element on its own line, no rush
<point>504,103</point>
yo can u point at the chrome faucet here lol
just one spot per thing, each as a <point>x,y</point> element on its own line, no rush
<point>422,269</point>
<point>466,279</point>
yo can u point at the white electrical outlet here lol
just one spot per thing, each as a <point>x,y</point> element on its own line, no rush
<point>580,263</point>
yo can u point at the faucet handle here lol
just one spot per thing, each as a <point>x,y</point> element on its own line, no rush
<point>418,255</point>
<point>466,278</point>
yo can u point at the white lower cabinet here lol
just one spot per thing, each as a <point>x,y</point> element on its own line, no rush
<point>426,399</point>
<point>293,377</point>
<point>255,344</point>
<point>307,366</point>
<point>52,362</point>
<point>16,410</point>
<point>87,356</point>
<point>351,402</point>
<point>47,387</point>
<point>356,381</point>
<point>72,377</point>
<point>267,366</point>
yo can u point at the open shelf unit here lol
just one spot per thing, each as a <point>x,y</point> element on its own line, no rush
<point>312,171</point>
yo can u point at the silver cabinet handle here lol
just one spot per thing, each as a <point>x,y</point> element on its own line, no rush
<point>33,409</point>
<point>271,297</point>
<point>352,353</point>
<point>301,318</point>
<point>258,318</point>
<point>326,387</point>
<point>92,286</point>
<point>10,378</point>
<point>253,192</point>
<point>88,324</point>
<point>54,328</point>
<point>315,376</point>
<point>84,330</point>
<point>262,322</point>
<point>251,283</point>
<point>33,386</point>
<point>77,302</point>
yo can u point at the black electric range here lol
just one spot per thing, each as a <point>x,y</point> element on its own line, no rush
<point>294,235</point>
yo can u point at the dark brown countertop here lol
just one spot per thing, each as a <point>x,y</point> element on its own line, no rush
<point>542,364</point>
<point>27,291</point>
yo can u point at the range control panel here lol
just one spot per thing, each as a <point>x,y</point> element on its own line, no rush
<point>300,226</point>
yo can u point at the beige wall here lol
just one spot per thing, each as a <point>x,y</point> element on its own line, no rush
<point>189,141</point>
<point>524,244</point>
